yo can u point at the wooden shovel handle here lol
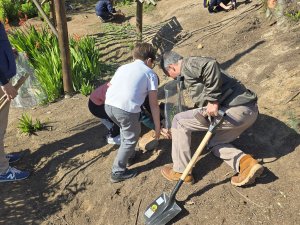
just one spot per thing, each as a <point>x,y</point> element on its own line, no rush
<point>213,126</point>
<point>3,103</point>
<point>196,155</point>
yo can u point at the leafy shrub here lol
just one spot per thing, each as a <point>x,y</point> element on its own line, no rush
<point>46,8</point>
<point>29,9</point>
<point>9,9</point>
<point>43,52</point>
<point>85,61</point>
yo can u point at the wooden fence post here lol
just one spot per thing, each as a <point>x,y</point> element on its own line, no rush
<point>139,20</point>
<point>63,40</point>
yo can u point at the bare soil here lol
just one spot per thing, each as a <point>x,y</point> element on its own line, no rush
<point>71,162</point>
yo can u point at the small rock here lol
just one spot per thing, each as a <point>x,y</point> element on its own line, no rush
<point>200,46</point>
<point>190,202</point>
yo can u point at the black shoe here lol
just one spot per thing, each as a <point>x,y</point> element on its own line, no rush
<point>120,176</point>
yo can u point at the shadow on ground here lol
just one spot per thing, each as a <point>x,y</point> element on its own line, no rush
<point>27,202</point>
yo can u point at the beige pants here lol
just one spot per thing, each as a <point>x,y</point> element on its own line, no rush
<point>3,125</point>
<point>237,120</point>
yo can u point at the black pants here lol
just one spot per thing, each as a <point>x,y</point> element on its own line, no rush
<point>99,111</point>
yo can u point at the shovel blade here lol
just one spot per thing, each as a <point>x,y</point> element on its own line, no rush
<point>161,210</point>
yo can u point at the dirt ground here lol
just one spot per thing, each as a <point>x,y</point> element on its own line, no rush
<point>71,162</point>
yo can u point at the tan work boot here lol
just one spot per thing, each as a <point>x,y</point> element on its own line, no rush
<point>168,172</point>
<point>250,169</point>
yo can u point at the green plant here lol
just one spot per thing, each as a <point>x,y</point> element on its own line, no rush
<point>27,126</point>
<point>29,9</point>
<point>293,121</point>
<point>86,88</point>
<point>38,125</point>
<point>43,52</point>
<point>44,55</point>
<point>9,9</point>
<point>85,61</point>
<point>149,7</point>
<point>125,2</point>
<point>130,45</point>
<point>293,15</point>
<point>46,8</point>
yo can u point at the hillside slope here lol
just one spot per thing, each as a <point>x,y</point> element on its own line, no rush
<point>71,162</point>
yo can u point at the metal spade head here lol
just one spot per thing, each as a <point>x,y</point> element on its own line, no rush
<point>161,210</point>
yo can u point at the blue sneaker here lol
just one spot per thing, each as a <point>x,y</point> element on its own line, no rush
<point>13,174</point>
<point>13,157</point>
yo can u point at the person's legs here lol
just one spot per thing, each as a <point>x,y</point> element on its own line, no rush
<point>99,111</point>
<point>130,131</point>
<point>3,125</point>
<point>7,173</point>
<point>237,120</point>
<point>182,126</point>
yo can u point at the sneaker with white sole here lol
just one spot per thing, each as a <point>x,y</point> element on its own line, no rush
<point>13,174</point>
<point>113,140</point>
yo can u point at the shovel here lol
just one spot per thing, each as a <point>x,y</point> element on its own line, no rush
<point>164,208</point>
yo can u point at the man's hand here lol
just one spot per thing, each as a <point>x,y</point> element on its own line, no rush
<point>9,91</point>
<point>166,133</point>
<point>212,108</point>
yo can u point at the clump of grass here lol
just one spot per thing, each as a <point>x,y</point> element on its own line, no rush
<point>293,15</point>
<point>124,2</point>
<point>86,89</point>
<point>149,7</point>
<point>293,122</point>
<point>130,45</point>
<point>27,126</point>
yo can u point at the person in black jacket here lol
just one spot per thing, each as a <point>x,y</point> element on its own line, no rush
<point>106,12</point>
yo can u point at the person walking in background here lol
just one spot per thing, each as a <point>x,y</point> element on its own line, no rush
<point>211,89</point>
<point>129,87</point>
<point>7,71</point>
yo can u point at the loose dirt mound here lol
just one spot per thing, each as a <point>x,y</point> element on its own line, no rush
<point>71,162</point>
